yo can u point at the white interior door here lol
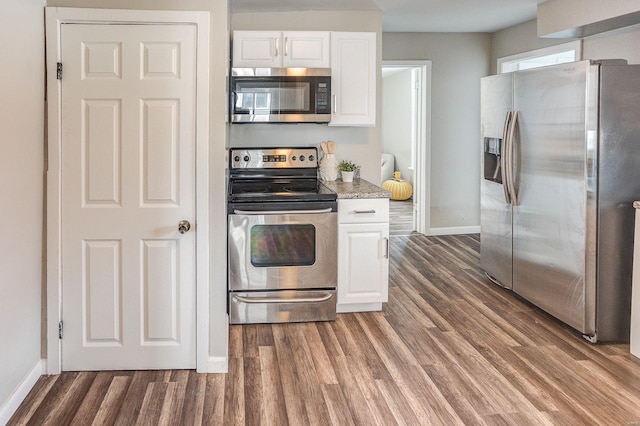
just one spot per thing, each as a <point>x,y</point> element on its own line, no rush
<point>128,179</point>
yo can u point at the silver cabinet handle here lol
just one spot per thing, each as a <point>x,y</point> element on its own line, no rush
<point>286,46</point>
<point>386,255</point>
<point>364,211</point>
<point>272,212</point>
<point>250,300</point>
<point>276,46</point>
<point>184,226</point>
<point>503,157</point>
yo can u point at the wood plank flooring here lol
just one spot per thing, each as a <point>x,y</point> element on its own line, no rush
<point>400,217</point>
<point>450,348</point>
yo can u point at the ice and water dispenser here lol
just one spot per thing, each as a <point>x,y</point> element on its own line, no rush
<point>492,153</point>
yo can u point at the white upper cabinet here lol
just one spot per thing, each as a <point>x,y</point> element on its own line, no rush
<point>276,49</point>
<point>353,78</point>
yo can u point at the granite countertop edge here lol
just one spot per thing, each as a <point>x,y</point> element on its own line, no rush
<point>359,188</point>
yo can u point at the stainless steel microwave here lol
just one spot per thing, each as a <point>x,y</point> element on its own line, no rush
<point>280,95</point>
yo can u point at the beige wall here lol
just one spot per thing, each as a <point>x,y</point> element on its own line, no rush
<point>218,107</point>
<point>21,189</point>
<point>459,61</point>
<point>517,39</point>
<point>618,44</point>
<point>362,145</point>
<point>562,16</point>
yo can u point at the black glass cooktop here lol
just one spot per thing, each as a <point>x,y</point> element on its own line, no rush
<point>279,189</point>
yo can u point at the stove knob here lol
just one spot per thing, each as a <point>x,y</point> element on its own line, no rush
<point>311,158</point>
<point>246,158</point>
<point>293,158</point>
<point>236,158</point>
<point>302,158</point>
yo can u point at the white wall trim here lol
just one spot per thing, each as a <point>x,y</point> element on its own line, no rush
<point>422,177</point>
<point>10,406</point>
<point>455,230</point>
<point>218,364</point>
<point>55,17</point>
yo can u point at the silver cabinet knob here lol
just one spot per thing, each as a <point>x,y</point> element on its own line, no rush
<point>184,226</point>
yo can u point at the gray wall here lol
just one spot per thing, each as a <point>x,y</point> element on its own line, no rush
<point>21,189</point>
<point>459,61</point>
<point>396,120</point>
<point>362,145</point>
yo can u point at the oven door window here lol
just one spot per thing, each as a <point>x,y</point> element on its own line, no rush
<point>283,245</point>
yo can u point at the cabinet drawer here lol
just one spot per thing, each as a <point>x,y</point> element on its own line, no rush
<point>363,210</point>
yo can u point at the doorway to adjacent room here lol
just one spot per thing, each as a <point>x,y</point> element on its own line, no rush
<point>406,140</point>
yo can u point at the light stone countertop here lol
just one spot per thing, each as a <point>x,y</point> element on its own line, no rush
<point>359,188</point>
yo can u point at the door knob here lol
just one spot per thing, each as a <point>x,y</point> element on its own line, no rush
<point>184,226</point>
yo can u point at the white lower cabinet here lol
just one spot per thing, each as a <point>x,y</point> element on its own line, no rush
<point>363,254</point>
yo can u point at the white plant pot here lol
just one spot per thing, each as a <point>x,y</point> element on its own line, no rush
<point>347,176</point>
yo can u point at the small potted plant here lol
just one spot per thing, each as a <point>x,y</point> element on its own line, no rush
<point>347,168</point>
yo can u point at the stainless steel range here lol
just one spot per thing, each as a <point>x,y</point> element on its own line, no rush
<point>282,237</point>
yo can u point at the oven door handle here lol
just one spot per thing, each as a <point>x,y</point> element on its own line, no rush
<point>250,300</point>
<point>276,212</point>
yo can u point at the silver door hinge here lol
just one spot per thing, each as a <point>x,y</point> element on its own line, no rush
<point>60,330</point>
<point>59,71</point>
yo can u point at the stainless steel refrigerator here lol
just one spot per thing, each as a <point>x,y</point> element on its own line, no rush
<point>561,169</point>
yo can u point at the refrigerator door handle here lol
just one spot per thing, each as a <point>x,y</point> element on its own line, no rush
<point>503,158</point>
<point>511,179</point>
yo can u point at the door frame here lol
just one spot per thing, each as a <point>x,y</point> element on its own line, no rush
<point>421,141</point>
<point>55,17</point>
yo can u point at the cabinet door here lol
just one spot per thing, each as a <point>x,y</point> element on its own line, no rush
<point>353,79</point>
<point>308,49</point>
<point>363,263</point>
<point>257,49</point>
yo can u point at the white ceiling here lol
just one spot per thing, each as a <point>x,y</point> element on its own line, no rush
<point>415,15</point>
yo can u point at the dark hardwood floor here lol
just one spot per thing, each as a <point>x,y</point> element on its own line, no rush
<point>449,348</point>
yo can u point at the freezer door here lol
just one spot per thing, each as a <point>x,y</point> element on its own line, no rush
<point>550,227</point>
<point>495,212</point>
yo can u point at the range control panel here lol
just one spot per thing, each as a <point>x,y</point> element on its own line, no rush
<point>273,158</point>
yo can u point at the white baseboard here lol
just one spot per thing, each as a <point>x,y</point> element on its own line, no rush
<point>358,307</point>
<point>10,406</point>
<point>218,364</point>
<point>456,230</point>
